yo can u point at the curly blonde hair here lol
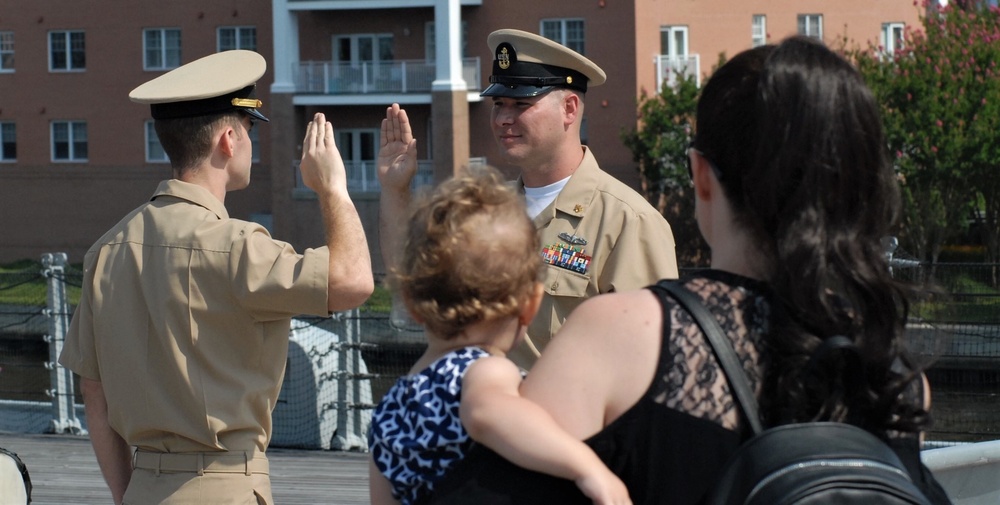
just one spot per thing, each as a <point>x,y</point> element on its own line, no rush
<point>471,254</point>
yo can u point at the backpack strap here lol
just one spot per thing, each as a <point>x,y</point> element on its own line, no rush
<point>723,350</point>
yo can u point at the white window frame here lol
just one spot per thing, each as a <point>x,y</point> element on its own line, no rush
<point>74,129</point>
<point>6,52</point>
<point>361,171</point>
<point>355,58</point>
<point>570,32</point>
<point>670,34</point>
<point>8,135</point>
<point>66,38</point>
<point>170,57</point>
<point>238,34</point>
<point>890,42</point>
<point>811,25</point>
<point>758,30</point>
<point>350,144</point>
<point>154,150</point>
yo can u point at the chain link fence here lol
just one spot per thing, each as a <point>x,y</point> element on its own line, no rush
<point>339,367</point>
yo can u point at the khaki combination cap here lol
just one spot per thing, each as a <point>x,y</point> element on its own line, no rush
<point>214,84</point>
<point>526,65</point>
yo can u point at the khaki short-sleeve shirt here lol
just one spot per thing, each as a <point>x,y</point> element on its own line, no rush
<point>184,319</point>
<point>598,236</point>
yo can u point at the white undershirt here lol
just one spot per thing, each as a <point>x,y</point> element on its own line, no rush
<point>539,198</point>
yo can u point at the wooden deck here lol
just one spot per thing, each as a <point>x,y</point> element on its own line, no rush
<point>64,471</point>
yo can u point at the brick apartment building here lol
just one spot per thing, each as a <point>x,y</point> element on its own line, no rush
<point>77,155</point>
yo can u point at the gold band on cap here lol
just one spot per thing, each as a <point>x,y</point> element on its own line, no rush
<point>252,103</point>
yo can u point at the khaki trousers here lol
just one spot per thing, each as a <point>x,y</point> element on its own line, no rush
<point>223,478</point>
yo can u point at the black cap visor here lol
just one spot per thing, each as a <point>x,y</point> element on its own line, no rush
<point>255,114</point>
<point>515,90</point>
<point>240,100</point>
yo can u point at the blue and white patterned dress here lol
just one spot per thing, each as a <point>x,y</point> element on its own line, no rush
<point>416,433</point>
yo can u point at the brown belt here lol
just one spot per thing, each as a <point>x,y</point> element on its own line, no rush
<point>201,462</point>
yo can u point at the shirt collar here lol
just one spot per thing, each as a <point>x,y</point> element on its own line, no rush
<point>575,199</point>
<point>192,193</point>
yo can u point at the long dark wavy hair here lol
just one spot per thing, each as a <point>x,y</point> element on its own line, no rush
<point>797,137</point>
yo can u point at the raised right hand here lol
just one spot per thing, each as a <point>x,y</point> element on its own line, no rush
<point>322,166</point>
<point>397,155</point>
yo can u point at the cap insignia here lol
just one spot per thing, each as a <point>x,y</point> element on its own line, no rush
<point>503,58</point>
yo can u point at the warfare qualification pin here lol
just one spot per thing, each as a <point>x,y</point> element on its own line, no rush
<point>572,239</point>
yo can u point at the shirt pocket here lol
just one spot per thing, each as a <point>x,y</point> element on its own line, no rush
<point>560,282</point>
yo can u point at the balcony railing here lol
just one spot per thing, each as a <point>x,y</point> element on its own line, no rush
<point>362,176</point>
<point>669,67</point>
<point>397,76</point>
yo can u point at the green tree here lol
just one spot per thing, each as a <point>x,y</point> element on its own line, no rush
<point>940,95</point>
<point>659,147</point>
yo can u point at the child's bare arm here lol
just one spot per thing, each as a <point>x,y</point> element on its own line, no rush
<point>379,488</point>
<point>494,414</point>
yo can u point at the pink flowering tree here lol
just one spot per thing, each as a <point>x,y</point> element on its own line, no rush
<point>940,94</point>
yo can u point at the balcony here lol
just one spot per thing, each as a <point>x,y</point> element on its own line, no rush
<point>368,4</point>
<point>668,68</point>
<point>362,176</point>
<point>391,77</point>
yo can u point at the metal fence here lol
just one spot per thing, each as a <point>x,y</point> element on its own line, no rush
<point>339,367</point>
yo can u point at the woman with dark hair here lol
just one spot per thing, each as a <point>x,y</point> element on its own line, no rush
<point>794,192</point>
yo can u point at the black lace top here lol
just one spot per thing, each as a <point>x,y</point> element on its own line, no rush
<point>672,444</point>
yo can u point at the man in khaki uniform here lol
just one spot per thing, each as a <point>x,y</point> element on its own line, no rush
<point>181,335</point>
<point>597,234</point>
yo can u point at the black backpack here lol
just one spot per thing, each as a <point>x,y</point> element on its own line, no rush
<point>806,463</point>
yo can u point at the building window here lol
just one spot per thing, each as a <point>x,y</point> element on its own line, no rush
<point>66,51</point>
<point>363,48</point>
<point>6,51</point>
<point>674,41</point>
<point>359,148</point>
<point>758,30</point>
<point>69,141</point>
<point>154,150</point>
<point>358,145</point>
<point>811,25</point>
<point>8,141</point>
<point>674,62</point>
<point>161,48</point>
<point>892,38</point>
<point>237,37</point>
<point>430,41</point>
<point>568,32</point>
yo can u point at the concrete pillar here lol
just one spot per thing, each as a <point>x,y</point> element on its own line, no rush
<point>286,46</point>
<point>449,102</point>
